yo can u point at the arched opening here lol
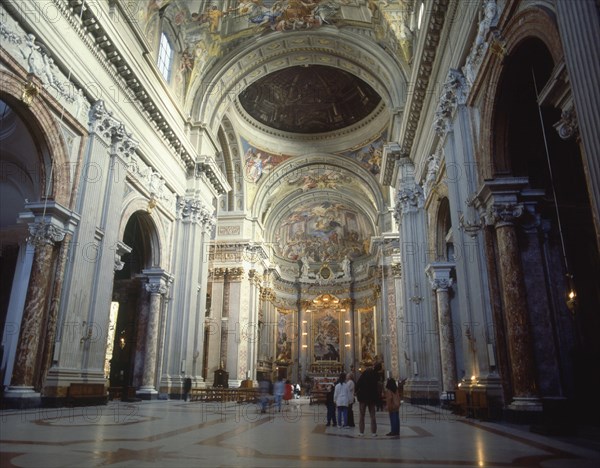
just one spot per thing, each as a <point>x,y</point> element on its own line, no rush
<point>21,180</point>
<point>527,145</point>
<point>444,241</point>
<point>126,345</point>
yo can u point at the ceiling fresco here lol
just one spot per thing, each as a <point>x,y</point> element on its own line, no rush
<point>370,155</point>
<point>322,231</point>
<point>207,30</point>
<point>309,99</point>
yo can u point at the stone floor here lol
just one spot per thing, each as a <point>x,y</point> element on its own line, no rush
<point>182,434</point>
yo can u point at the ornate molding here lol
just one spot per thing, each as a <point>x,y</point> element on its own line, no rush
<point>488,18</point>
<point>112,131</point>
<point>439,10</point>
<point>396,270</point>
<point>210,169</point>
<point>453,93</point>
<point>121,250</point>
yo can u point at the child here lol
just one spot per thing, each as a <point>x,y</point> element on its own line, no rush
<point>392,403</point>
<point>330,407</point>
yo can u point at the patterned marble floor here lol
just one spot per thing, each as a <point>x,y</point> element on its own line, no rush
<point>186,434</point>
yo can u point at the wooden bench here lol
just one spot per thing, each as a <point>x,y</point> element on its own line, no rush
<point>224,395</point>
<point>87,394</point>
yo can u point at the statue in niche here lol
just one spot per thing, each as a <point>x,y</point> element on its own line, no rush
<point>346,263</point>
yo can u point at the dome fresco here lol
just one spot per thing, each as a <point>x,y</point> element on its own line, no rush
<point>309,99</point>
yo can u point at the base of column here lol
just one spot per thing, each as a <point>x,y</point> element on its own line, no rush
<point>524,410</point>
<point>21,398</point>
<point>525,404</point>
<point>147,393</point>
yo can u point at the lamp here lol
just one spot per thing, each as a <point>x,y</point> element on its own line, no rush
<point>571,294</point>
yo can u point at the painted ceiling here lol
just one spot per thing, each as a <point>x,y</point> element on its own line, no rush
<point>319,204</point>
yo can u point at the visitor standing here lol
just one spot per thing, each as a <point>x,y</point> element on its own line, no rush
<point>351,386</point>
<point>392,403</point>
<point>341,397</point>
<point>367,395</point>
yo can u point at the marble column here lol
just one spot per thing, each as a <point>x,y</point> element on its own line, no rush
<point>157,288</point>
<point>525,394</point>
<point>579,26</point>
<point>31,337</point>
<point>49,224</point>
<point>439,275</point>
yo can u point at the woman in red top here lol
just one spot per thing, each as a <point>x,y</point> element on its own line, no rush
<point>288,392</point>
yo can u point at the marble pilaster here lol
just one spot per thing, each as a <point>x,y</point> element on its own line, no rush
<point>420,326</point>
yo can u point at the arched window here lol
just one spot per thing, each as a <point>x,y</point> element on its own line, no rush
<point>165,57</point>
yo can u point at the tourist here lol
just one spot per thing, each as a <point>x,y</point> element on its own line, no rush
<point>368,395</point>
<point>341,396</point>
<point>392,403</point>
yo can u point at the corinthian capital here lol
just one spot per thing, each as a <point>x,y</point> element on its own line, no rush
<point>441,284</point>
<point>156,287</point>
<point>500,214</point>
<point>453,93</point>
<point>567,125</point>
<point>409,200</point>
<point>45,234</point>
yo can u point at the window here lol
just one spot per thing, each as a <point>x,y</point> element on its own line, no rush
<point>165,57</point>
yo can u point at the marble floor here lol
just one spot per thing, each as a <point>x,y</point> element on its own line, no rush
<point>182,434</point>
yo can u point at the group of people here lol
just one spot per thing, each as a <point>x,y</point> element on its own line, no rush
<point>369,394</point>
<point>282,391</point>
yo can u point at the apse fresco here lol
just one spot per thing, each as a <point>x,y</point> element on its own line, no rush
<point>322,231</point>
<point>284,344</point>
<point>326,335</point>
<point>368,349</point>
<point>369,156</point>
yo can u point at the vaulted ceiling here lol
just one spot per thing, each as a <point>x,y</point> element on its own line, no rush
<point>304,93</point>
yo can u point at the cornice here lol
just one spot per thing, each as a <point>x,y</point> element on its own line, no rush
<point>84,20</point>
<point>421,83</point>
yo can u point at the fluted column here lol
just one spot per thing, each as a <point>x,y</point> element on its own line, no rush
<point>579,25</point>
<point>157,288</point>
<point>420,326</point>
<point>441,282</point>
<point>525,396</point>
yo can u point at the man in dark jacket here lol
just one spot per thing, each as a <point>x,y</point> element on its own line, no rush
<point>367,395</point>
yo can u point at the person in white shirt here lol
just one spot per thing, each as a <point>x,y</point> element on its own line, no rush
<point>341,396</point>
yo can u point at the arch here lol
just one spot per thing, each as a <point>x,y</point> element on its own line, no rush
<point>47,134</point>
<point>533,23</point>
<point>443,229</point>
<point>320,161</point>
<point>266,54</point>
<point>151,224</point>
